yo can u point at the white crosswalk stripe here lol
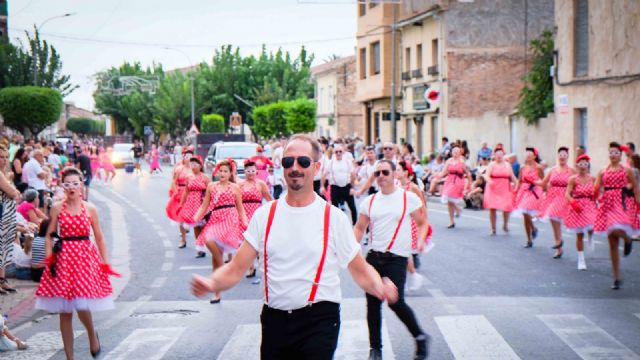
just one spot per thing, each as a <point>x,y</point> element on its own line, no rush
<point>148,344</point>
<point>42,346</point>
<point>588,340</point>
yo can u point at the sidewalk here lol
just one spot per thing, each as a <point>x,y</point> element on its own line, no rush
<point>19,306</point>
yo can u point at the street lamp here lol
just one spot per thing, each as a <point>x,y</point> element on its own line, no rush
<point>35,55</point>
<point>191,79</point>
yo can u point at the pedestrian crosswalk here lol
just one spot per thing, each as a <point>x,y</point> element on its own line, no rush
<point>586,336</point>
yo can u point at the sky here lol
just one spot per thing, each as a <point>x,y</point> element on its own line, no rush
<point>102,33</point>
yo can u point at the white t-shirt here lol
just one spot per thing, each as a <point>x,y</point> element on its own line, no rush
<point>366,171</point>
<point>275,179</point>
<point>21,259</point>
<point>277,156</point>
<point>31,170</point>
<point>294,250</point>
<point>338,172</point>
<point>54,160</point>
<point>384,218</point>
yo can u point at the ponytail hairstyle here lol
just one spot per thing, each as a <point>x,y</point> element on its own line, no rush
<point>535,152</point>
<point>407,167</point>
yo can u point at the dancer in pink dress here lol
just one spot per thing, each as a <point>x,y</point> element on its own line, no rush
<point>77,273</point>
<point>262,162</point>
<point>555,206</point>
<point>222,209</point>
<point>455,186</point>
<point>499,190</point>
<point>253,192</point>
<point>582,209</point>
<point>181,173</point>
<point>95,161</point>
<point>192,200</point>
<point>618,205</point>
<point>529,194</point>
<point>107,165</point>
<point>155,160</point>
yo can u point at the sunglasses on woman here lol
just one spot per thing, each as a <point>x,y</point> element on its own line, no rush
<point>71,185</point>
<point>377,173</point>
<point>303,161</point>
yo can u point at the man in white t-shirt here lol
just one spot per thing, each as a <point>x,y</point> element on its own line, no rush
<point>365,175</point>
<point>339,171</point>
<point>388,214</point>
<point>303,243</point>
<point>35,174</point>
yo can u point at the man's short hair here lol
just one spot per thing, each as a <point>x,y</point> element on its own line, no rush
<point>445,138</point>
<point>315,146</point>
<point>384,161</point>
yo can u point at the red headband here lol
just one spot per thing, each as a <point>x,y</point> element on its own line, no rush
<point>409,167</point>
<point>231,162</point>
<point>625,148</point>
<point>584,157</point>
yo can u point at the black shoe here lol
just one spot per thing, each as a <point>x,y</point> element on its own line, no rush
<point>215,301</point>
<point>529,244</point>
<point>556,247</point>
<point>251,274</point>
<point>617,284</point>
<point>4,285</point>
<point>375,354</point>
<point>182,245</point>
<point>422,348</point>
<point>97,352</point>
<point>451,226</point>
<point>534,233</point>
<point>628,246</point>
<point>200,254</point>
<point>558,255</point>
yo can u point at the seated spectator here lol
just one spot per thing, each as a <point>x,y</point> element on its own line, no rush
<point>21,266</point>
<point>433,178</point>
<point>38,252</point>
<point>8,341</point>
<point>481,168</point>
<point>473,199</point>
<point>29,207</point>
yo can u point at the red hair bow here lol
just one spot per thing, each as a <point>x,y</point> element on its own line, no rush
<point>409,167</point>
<point>231,162</point>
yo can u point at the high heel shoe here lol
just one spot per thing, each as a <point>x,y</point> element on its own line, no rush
<point>558,255</point>
<point>617,284</point>
<point>183,244</point>
<point>492,233</point>
<point>251,274</point>
<point>528,245</point>
<point>534,233</point>
<point>95,354</point>
<point>215,301</point>
<point>451,226</point>
<point>200,254</point>
<point>628,246</point>
<point>556,247</point>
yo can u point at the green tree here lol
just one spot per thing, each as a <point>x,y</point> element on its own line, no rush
<point>172,104</point>
<point>212,123</point>
<point>30,107</point>
<point>86,126</point>
<point>536,97</point>
<point>269,120</point>
<point>300,116</point>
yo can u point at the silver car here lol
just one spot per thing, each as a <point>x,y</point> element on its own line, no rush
<point>122,154</point>
<point>238,151</point>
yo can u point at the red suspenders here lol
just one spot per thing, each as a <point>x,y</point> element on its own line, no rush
<point>395,233</point>
<point>316,280</point>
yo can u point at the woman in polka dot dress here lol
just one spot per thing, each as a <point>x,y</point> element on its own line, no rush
<point>192,200</point>
<point>77,277</point>
<point>498,191</point>
<point>582,209</point>
<point>179,180</point>
<point>222,209</point>
<point>455,186</point>
<point>555,206</point>
<point>618,206</point>
<point>529,194</point>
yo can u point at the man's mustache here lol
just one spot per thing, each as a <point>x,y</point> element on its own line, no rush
<point>295,174</point>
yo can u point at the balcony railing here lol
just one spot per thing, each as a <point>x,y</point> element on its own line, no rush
<point>416,73</point>
<point>406,75</point>
<point>433,70</point>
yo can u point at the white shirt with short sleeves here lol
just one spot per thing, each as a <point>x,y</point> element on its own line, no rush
<point>338,172</point>
<point>31,170</point>
<point>294,250</point>
<point>384,218</point>
<point>366,171</point>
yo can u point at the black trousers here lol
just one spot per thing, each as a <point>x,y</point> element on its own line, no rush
<point>309,333</point>
<point>277,191</point>
<point>316,187</point>
<point>395,268</point>
<point>340,194</point>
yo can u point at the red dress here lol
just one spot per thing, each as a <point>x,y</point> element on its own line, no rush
<point>251,199</point>
<point>173,206</point>
<point>529,196</point>
<point>80,283</point>
<point>197,186</point>
<point>453,188</point>
<point>498,193</point>
<point>617,210</point>
<point>555,204</point>
<point>582,221</point>
<point>223,226</point>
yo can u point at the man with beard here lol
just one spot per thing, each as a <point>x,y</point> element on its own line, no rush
<point>302,242</point>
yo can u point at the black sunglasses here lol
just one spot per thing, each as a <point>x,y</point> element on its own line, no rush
<point>303,161</point>
<point>383,172</point>
<point>387,148</point>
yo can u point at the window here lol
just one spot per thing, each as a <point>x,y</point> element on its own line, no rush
<point>363,63</point>
<point>434,52</point>
<point>582,127</point>
<point>581,38</point>
<point>362,8</point>
<point>419,56</point>
<point>407,59</point>
<point>434,133</point>
<point>375,58</point>
<point>373,3</point>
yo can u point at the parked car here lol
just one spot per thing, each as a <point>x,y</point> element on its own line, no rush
<point>122,154</point>
<point>238,151</point>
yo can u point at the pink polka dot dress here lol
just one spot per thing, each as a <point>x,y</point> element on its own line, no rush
<point>251,199</point>
<point>453,188</point>
<point>173,206</point>
<point>581,221</point>
<point>498,195</point>
<point>80,283</point>
<point>197,186</point>
<point>224,226</point>
<point>617,210</point>
<point>529,196</point>
<point>555,205</point>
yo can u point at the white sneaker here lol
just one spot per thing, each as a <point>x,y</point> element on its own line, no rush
<point>582,265</point>
<point>415,281</point>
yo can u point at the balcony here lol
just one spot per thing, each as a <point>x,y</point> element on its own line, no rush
<point>416,73</point>
<point>406,75</point>
<point>433,70</point>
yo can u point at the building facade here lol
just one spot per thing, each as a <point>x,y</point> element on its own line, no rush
<point>338,114</point>
<point>597,79</point>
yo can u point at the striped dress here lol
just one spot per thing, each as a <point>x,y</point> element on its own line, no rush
<point>7,229</point>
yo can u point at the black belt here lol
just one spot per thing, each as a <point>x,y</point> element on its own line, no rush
<point>252,201</point>
<point>532,188</point>
<point>625,192</point>
<point>385,254</point>
<point>583,197</point>
<point>500,177</point>
<point>223,207</point>
<point>57,247</point>
<point>319,306</point>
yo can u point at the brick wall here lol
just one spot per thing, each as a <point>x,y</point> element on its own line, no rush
<point>349,111</point>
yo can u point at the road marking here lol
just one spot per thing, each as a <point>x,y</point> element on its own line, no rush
<point>473,337</point>
<point>353,342</point>
<point>157,227</point>
<point>42,346</point>
<point>169,254</point>
<point>196,267</point>
<point>638,315</point>
<point>452,309</point>
<point>167,266</point>
<point>436,293</point>
<point>166,243</point>
<point>125,309</point>
<point>158,282</point>
<point>120,255</point>
<point>585,338</point>
<point>161,233</point>
<point>148,344</point>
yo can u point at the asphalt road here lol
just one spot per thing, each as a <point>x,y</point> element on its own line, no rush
<point>484,297</point>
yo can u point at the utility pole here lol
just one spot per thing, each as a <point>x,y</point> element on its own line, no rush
<point>394,125</point>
